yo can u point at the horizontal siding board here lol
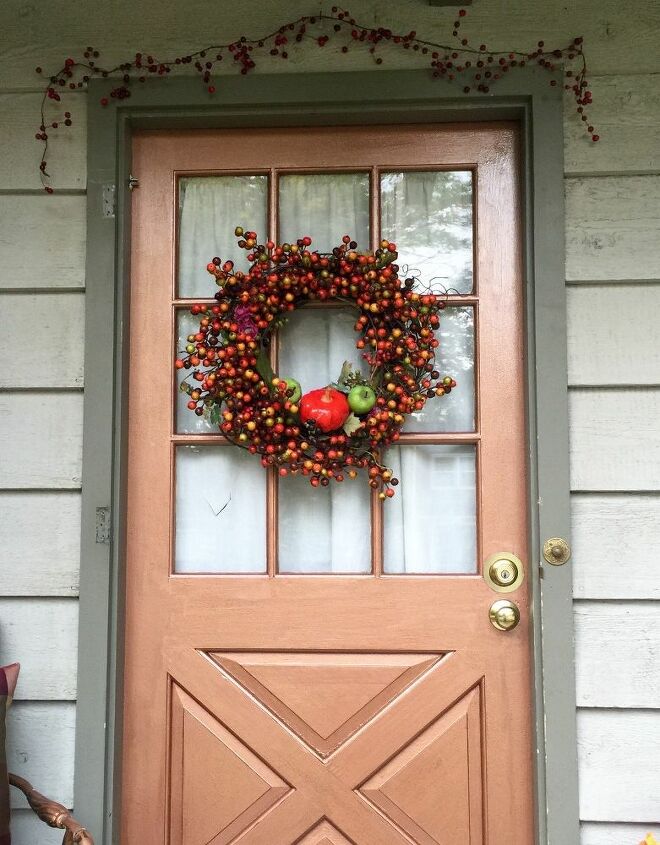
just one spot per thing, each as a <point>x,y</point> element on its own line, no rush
<point>619,765</point>
<point>626,114</point>
<point>42,241</point>
<point>40,747</point>
<point>60,318</point>
<point>21,152</point>
<point>615,541</point>
<point>613,228</point>
<point>28,829</point>
<point>615,39</point>
<point>40,539</point>
<point>615,834</point>
<point>617,654</point>
<point>614,439</point>
<point>613,334</point>
<point>41,440</point>
<point>41,635</point>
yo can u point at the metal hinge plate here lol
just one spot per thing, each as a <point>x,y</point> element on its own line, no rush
<point>103,526</point>
<point>108,200</point>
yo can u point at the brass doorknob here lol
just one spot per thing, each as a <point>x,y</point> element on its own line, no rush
<point>504,615</point>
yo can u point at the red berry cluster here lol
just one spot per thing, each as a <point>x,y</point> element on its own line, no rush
<point>477,67</point>
<point>324,434</point>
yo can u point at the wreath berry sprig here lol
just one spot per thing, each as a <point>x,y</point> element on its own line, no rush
<point>333,431</point>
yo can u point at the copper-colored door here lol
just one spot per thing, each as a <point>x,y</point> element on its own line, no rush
<point>308,667</point>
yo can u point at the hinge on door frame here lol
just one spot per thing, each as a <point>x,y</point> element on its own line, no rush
<point>103,526</point>
<point>108,200</point>
<point>133,182</point>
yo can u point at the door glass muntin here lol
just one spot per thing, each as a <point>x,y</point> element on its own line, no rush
<point>423,428</point>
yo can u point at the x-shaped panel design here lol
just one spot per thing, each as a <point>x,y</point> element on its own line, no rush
<point>371,788</point>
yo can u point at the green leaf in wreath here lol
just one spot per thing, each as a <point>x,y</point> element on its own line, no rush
<point>346,370</point>
<point>352,424</point>
<point>342,388</point>
<point>264,367</point>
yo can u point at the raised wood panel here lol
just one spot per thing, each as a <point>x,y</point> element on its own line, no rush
<point>61,321</point>
<point>41,440</point>
<point>617,41</point>
<point>626,111</point>
<point>619,765</point>
<point>613,228</point>
<point>40,539</point>
<point>27,829</point>
<point>615,439</point>
<point>42,241</point>
<point>613,334</point>
<point>40,747</point>
<point>616,834</point>
<point>617,654</point>
<point>42,635</point>
<point>615,540</point>
<point>21,152</point>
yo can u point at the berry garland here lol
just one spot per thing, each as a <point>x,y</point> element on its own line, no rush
<point>337,429</point>
<point>477,68</point>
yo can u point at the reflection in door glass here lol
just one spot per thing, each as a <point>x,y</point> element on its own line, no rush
<point>210,208</point>
<point>325,206</point>
<point>430,526</point>
<point>429,216</point>
<point>454,357</point>
<point>324,530</point>
<point>220,511</point>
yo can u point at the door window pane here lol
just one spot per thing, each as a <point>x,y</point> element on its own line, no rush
<point>325,206</point>
<point>186,421</point>
<point>429,217</point>
<point>210,208</point>
<point>430,526</point>
<point>454,357</point>
<point>324,530</point>
<point>314,343</point>
<point>220,510</point>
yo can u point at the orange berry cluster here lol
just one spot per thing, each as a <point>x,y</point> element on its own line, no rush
<point>232,382</point>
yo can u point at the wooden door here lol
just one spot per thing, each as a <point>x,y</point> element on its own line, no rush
<point>299,676</point>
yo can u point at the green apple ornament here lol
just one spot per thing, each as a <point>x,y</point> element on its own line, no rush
<point>361,399</point>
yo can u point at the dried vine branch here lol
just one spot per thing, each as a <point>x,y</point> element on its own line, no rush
<point>477,68</point>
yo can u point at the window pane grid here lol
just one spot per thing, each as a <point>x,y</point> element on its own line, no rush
<point>377,511</point>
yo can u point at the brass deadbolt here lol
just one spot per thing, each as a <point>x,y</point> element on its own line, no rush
<point>504,572</point>
<point>504,615</point>
<point>556,551</point>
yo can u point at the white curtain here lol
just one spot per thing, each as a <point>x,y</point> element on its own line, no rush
<point>325,529</point>
<point>429,217</point>
<point>220,510</point>
<point>430,525</point>
<point>210,208</point>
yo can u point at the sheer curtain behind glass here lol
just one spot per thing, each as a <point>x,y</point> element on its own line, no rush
<point>210,208</point>
<point>430,526</point>
<point>323,530</point>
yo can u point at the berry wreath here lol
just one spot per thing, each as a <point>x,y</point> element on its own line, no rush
<point>331,432</point>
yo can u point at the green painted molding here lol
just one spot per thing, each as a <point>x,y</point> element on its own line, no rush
<point>302,100</point>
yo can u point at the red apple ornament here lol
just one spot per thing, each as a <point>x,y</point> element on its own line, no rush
<point>327,407</point>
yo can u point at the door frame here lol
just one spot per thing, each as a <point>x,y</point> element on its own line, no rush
<point>321,99</point>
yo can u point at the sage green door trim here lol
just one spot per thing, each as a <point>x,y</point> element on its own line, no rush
<point>300,100</point>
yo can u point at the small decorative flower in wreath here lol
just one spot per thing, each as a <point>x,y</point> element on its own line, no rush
<point>334,431</point>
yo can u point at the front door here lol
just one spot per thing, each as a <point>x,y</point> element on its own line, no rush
<point>317,666</point>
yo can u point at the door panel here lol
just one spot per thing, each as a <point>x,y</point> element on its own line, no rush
<point>315,667</point>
